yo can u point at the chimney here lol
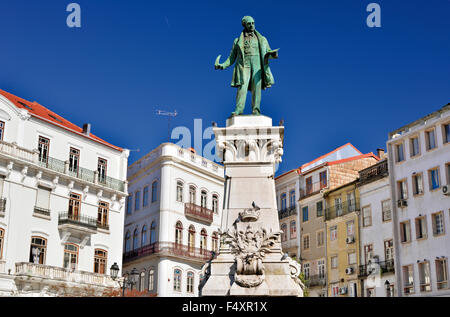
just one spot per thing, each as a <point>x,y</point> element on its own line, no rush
<point>87,129</point>
<point>380,153</point>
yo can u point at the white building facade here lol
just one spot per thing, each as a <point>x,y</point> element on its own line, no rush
<point>172,219</point>
<point>419,172</point>
<point>62,203</point>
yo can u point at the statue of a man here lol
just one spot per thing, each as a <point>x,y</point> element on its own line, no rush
<point>252,52</point>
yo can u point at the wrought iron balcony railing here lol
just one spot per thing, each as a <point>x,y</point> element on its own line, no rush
<point>198,212</point>
<point>373,172</point>
<point>79,220</point>
<point>383,267</point>
<point>41,211</point>
<point>312,188</point>
<point>342,209</point>
<point>284,213</point>
<point>316,280</point>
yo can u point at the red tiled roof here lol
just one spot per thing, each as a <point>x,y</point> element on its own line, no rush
<point>335,150</point>
<point>42,113</point>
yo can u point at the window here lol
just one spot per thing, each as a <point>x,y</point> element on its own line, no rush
<point>192,194</point>
<point>320,238</point>
<point>321,267</point>
<point>334,262</point>
<point>203,198</point>
<point>441,273</point>
<point>151,279</point>
<point>408,279</point>
<point>306,242</point>
<point>44,149</point>
<point>180,187</point>
<point>292,199</point>
<point>414,148</point>
<point>177,280</point>
<point>191,238</point>
<point>351,201</point>
<point>137,200</point>
<point>438,223</point>
<point>145,196</point>
<point>389,250</point>
<point>283,201</point>
<point>405,232</point>
<point>142,281</point>
<point>179,233</point>
<point>215,242</point>
<point>368,253</point>
<point>70,256</point>
<point>135,239</point>
<point>43,199</point>
<point>402,189</point>
<point>215,204</point>
<point>399,151</point>
<point>74,206</point>
<point>38,250</point>
<point>386,210</point>
<point>144,235</point>
<point>350,228</point>
<point>154,191</point>
<point>153,232</point>
<point>309,185</point>
<point>190,282</point>
<point>421,227</point>
<point>203,240</point>
<point>130,204</point>
<point>100,261</point>
<point>306,271</point>
<point>338,206</point>
<point>293,229</point>
<point>390,291</point>
<point>284,232</point>
<point>2,130</point>
<point>446,133</point>
<point>74,160</point>
<point>424,276</point>
<point>127,241</point>
<point>323,179</point>
<point>102,165</point>
<point>333,233</point>
<point>352,258</point>
<point>417,182</point>
<point>430,139</point>
<point>367,216</point>
<point>102,214</point>
<point>319,208</point>
<point>433,177</point>
<point>305,214</point>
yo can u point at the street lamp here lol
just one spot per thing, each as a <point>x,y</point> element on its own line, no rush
<point>130,281</point>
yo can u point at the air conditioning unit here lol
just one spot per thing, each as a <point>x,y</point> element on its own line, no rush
<point>349,270</point>
<point>342,290</point>
<point>402,203</point>
<point>446,190</point>
<point>350,239</point>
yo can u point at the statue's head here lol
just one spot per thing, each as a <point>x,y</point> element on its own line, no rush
<point>248,23</point>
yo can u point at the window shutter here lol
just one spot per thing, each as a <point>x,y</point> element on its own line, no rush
<point>43,198</point>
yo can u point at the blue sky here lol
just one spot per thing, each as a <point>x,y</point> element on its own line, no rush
<point>337,80</point>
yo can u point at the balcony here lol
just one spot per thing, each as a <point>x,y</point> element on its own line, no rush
<point>25,271</point>
<point>169,249</point>
<point>316,280</point>
<point>385,268</point>
<point>199,213</point>
<point>13,150</point>
<point>341,209</point>
<point>77,223</point>
<point>373,172</point>
<point>42,211</point>
<point>284,213</point>
<point>2,206</point>
<point>312,189</point>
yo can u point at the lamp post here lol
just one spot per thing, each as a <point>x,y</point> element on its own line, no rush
<point>129,281</point>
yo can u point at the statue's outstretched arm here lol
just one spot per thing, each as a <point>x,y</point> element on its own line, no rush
<point>230,60</point>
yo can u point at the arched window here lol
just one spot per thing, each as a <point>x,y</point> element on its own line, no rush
<point>142,281</point>
<point>151,279</point>
<point>179,233</point>
<point>144,235</point>
<point>283,234</point>
<point>190,282</point>
<point>135,239</point>
<point>153,233</point>
<point>192,194</point>
<point>191,238</point>
<point>127,241</point>
<point>177,280</point>
<point>293,230</point>
<point>203,240</point>
<point>38,250</point>
<point>204,196</point>
<point>154,191</point>
<point>70,256</point>
<point>100,261</point>
<point>180,191</point>
<point>215,242</point>
<point>215,203</point>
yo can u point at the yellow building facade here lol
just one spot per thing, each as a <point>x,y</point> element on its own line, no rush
<point>342,227</point>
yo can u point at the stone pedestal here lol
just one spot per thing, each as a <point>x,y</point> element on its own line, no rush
<point>250,260</point>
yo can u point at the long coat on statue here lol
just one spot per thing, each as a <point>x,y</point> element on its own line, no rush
<point>237,54</point>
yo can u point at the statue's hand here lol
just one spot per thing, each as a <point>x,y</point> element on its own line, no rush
<point>218,66</point>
